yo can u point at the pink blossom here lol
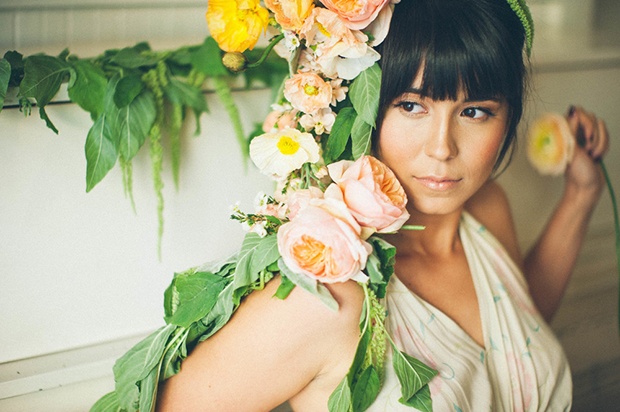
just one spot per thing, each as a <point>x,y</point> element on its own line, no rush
<point>358,14</point>
<point>308,92</point>
<point>301,198</point>
<point>371,192</point>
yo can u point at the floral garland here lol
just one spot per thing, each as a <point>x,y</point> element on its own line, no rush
<point>332,201</point>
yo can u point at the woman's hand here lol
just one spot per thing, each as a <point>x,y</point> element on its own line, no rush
<point>583,172</point>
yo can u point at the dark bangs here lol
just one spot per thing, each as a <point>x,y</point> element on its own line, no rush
<point>470,45</point>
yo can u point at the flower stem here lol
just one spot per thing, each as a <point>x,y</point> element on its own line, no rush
<point>616,224</point>
<point>260,61</point>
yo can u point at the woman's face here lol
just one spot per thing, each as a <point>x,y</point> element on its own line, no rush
<point>441,151</point>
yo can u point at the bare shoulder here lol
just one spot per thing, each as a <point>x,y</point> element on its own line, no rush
<point>490,207</point>
<point>270,351</point>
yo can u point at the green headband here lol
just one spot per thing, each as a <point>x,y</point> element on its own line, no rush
<point>523,12</point>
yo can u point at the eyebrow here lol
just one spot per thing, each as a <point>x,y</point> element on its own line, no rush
<point>415,90</point>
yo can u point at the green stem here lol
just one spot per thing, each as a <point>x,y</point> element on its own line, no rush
<point>616,225</point>
<point>268,49</point>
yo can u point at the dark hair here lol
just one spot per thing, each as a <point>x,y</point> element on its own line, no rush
<point>473,45</point>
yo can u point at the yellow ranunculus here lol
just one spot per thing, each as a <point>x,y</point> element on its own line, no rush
<point>550,144</point>
<point>236,24</point>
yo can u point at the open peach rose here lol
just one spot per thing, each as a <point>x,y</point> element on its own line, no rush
<point>550,144</point>
<point>358,14</point>
<point>371,192</point>
<point>290,14</point>
<point>322,246</point>
<point>308,92</point>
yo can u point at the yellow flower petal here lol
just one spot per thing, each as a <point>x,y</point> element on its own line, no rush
<point>550,144</point>
<point>236,24</point>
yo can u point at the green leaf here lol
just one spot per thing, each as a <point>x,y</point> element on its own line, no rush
<point>244,275</point>
<point>285,288</point>
<point>207,59</point>
<point>107,403</point>
<point>380,273</point>
<point>148,390</point>
<point>364,94</point>
<point>360,352</point>
<point>412,373</point>
<point>361,137</point>
<point>265,254</point>
<point>197,294</point>
<point>127,89</point>
<point>339,135</point>
<point>137,364</point>
<point>309,285</point>
<point>185,94</point>
<point>171,363</point>
<point>421,400</point>
<point>89,87</point>
<point>5,76</point>
<point>340,399</point>
<point>220,314</point>
<point>366,389</point>
<point>101,152</point>
<point>373,269</point>
<point>43,76</point>
<point>16,61</point>
<point>132,58</point>
<point>133,123</point>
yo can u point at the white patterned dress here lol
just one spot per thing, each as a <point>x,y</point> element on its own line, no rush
<point>521,367</point>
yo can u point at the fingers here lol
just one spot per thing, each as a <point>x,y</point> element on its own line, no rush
<point>589,131</point>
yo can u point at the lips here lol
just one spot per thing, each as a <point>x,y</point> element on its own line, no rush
<point>437,183</point>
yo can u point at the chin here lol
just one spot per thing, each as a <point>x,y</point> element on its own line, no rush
<point>435,206</point>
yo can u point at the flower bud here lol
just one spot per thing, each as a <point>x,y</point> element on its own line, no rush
<point>235,62</point>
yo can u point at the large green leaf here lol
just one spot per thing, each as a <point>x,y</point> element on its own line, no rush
<point>266,253</point>
<point>133,123</point>
<point>137,364</point>
<point>43,76</point>
<point>361,138</point>
<point>148,390</point>
<point>100,150</point>
<point>380,271</point>
<point>220,313</point>
<point>89,87</point>
<point>412,373</point>
<point>133,57</point>
<point>364,94</point>
<point>5,76</point>
<point>339,134</point>
<point>421,400</point>
<point>366,389</point>
<point>207,59</point>
<point>244,275</point>
<point>107,403</point>
<point>16,61</point>
<point>127,89</point>
<point>185,94</point>
<point>197,294</point>
<point>309,285</point>
<point>340,399</point>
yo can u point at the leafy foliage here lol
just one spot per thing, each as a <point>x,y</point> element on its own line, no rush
<point>127,105</point>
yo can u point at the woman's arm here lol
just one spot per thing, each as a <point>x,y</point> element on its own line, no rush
<point>270,351</point>
<point>549,264</point>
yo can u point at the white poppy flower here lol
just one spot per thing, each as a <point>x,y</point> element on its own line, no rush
<point>284,151</point>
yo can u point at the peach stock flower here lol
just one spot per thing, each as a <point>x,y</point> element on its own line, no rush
<point>358,14</point>
<point>282,152</point>
<point>371,192</point>
<point>550,144</point>
<point>236,24</point>
<point>322,246</point>
<point>308,92</point>
<point>290,14</point>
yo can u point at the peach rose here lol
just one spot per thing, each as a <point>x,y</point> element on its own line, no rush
<point>280,120</point>
<point>301,198</point>
<point>550,144</point>
<point>322,246</point>
<point>358,14</point>
<point>290,14</point>
<point>308,92</point>
<point>371,192</point>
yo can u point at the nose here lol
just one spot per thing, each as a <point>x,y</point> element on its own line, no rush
<point>441,144</point>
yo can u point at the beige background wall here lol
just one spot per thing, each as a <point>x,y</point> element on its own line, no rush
<point>72,265</point>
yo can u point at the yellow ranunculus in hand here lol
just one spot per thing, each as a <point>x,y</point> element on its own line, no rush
<point>550,144</point>
<point>236,24</point>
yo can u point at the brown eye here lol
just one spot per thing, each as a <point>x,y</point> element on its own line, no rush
<point>410,107</point>
<point>475,113</point>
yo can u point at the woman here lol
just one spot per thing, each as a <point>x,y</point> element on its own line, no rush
<point>451,99</point>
